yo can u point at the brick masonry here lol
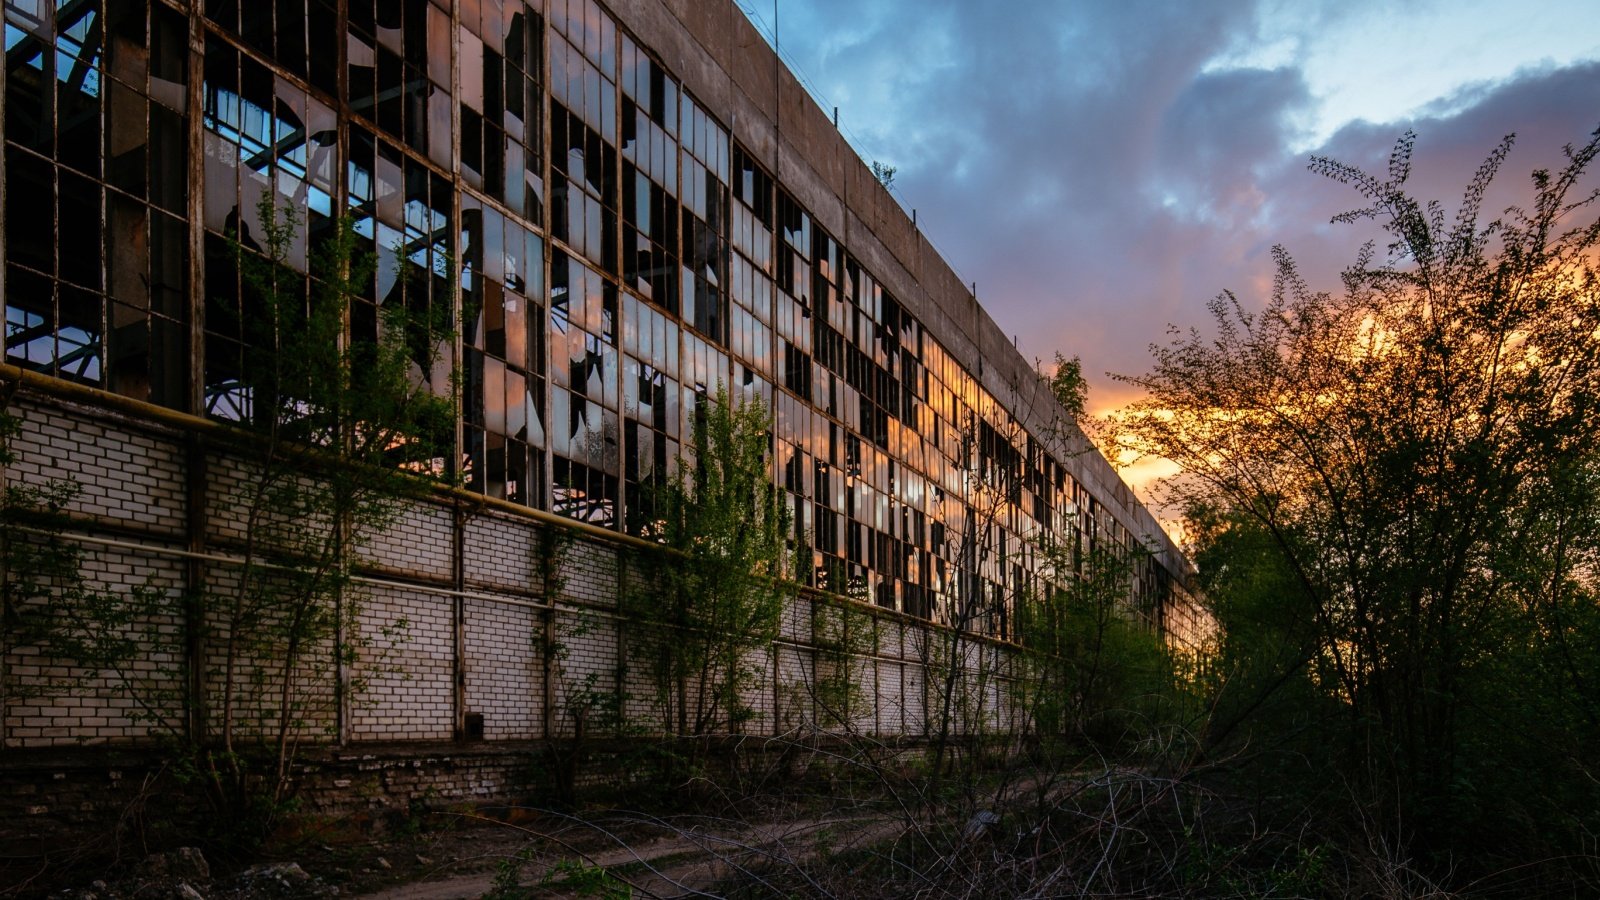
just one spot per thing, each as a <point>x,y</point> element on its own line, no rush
<point>439,647</point>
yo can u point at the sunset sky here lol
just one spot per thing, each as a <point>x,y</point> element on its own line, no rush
<point>1101,169</point>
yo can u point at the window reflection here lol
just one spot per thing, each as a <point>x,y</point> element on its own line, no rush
<point>503,392</point>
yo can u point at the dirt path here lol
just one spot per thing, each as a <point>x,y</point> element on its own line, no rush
<point>665,858</point>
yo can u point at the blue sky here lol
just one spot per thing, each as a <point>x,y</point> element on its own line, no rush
<point>1101,169</point>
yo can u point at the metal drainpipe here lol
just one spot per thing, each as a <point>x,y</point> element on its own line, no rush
<point>458,619</point>
<point>880,700</point>
<point>344,701</point>
<point>341,671</point>
<point>3,538</point>
<point>196,499</point>
<point>196,502</point>
<point>458,604</point>
<point>621,626</point>
<point>547,566</point>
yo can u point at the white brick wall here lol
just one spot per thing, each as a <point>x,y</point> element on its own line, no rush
<point>505,670</point>
<point>756,694</point>
<point>67,704</point>
<point>122,473</point>
<point>235,486</point>
<point>795,624</point>
<point>642,706</point>
<point>796,708</point>
<point>893,715</point>
<point>921,699</point>
<point>502,554</point>
<point>408,673</point>
<point>132,474</point>
<point>419,543</point>
<point>258,671</point>
<point>585,670</point>
<point>864,699</point>
<point>589,573</point>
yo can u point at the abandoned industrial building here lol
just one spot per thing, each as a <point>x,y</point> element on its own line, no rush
<point>626,206</point>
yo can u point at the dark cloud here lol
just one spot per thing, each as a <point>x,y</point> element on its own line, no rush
<point>1545,109</point>
<point>1086,165</point>
<point>1218,139</point>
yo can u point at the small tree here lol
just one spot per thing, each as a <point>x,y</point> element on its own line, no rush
<point>842,639</point>
<point>1095,662</point>
<point>336,437</point>
<point>972,609</point>
<point>719,590</point>
<point>1069,387</point>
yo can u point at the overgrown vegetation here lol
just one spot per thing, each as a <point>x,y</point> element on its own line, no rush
<point>718,593</point>
<point>1069,387</point>
<point>568,877</point>
<point>884,173</point>
<point>51,613</point>
<point>1099,674</point>
<point>1392,496</point>
<point>842,638</point>
<point>333,437</point>
<point>340,432</point>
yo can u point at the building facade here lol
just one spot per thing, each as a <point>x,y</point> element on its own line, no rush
<point>627,204</point>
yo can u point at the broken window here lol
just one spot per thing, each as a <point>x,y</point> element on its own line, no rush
<point>752,219</point>
<point>584,189</point>
<point>298,35</point>
<point>584,427</point>
<point>659,221</point>
<point>584,493</point>
<point>703,171</point>
<point>388,70</point>
<point>650,429</point>
<point>503,393</point>
<point>650,178</point>
<point>96,282</point>
<point>501,99</point>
